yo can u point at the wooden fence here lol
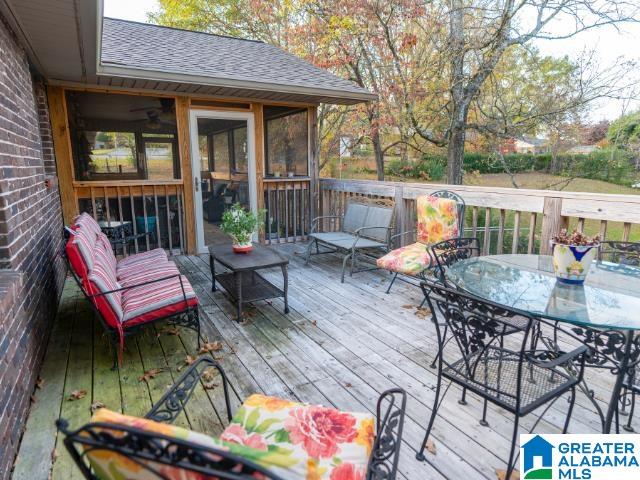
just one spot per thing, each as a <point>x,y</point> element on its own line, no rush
<point>505,220</point>
<point>288,206</point>
<point>156,207</point>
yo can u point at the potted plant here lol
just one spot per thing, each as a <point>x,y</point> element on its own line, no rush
<point>572,256</point>
<point>240,225</point>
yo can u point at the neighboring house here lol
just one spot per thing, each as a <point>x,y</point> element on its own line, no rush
<point>198,121</point>
<point>531,145</point>
<point>582,149</point>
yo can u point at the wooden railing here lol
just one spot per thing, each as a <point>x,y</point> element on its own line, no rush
<point>156,207</point>
<point>288,206</point>
<point>505,220</point>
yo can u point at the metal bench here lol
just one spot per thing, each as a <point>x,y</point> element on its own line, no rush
<point>365,233</point>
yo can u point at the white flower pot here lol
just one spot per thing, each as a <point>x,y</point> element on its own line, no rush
<point>571,263</point>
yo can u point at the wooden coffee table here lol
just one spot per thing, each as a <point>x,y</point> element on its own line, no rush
<point>242,282</point>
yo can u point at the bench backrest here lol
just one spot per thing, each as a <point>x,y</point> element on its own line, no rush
<point>368,212</point>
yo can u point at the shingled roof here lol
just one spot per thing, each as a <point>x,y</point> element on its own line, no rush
<point>208,59</point>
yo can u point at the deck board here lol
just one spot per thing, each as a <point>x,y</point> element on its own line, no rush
<point>341,345</point>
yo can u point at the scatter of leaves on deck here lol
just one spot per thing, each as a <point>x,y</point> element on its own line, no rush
<point>422,312</point>
<point>502,474</point>
<point>77,395</point>
<point>96,405</point>
<point>150,374</point>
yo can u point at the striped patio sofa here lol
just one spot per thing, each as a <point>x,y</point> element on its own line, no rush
<point>130,293</point>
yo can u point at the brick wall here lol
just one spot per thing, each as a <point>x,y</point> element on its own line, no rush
<point>31,270</point>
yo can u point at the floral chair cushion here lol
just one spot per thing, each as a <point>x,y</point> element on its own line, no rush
<point>319,442</point>
<point>437,219</point>
<point>410,260</point>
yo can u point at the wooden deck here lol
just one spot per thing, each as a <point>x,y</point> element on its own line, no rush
<point>340,345</point>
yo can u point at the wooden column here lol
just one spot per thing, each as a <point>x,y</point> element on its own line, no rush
<point>552,223</point>
<point>184,148</point>
<point>62,147</point>
<point>314,163</point>
<point>258,123</point>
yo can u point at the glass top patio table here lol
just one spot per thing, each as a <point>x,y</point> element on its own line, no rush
<point>610,297</point>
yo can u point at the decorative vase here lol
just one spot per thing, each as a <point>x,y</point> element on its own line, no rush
<point>571,263</point>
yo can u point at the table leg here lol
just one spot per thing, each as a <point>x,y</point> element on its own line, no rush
<point>285,276</point>
<point>212,267</point>
<point>617,389</point>
<point>238,279</point>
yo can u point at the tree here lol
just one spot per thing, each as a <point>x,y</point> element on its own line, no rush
<point>478,33</point>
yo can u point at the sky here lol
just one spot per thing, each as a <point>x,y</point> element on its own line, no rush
<point>609,43</point>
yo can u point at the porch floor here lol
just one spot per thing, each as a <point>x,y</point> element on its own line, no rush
<point>341,345</point>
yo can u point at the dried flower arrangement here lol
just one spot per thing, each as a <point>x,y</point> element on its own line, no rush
<point>576,238</point>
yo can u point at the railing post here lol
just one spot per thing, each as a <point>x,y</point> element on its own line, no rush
<point>400,214</point>
<point>552,223</point>
<point>325,198</point>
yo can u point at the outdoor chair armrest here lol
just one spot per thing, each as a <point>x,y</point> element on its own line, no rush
<point>578,353</point>
<point>314,222</point>
<point>397,235</point>
<point>358,233</point>
<point>389,425</point>
<point>174,400</point>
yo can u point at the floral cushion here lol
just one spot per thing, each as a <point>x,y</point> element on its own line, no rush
<point>319,442</point>
<point>292,440</point>
<point>109,465</point>
<point>437,219</point>
<point>410,260</point>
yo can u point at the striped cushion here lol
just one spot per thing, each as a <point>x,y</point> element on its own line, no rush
<point>80,252</point>
<point>150,271</point>
<point>153,255</point>
<point>148,302</point>
<point>110,305</point>
<point>86,222</point>
<point>104,254</point>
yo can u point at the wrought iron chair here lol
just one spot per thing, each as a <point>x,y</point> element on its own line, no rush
<point>515,378</point>
<point>623,253</point>
<point>448,252</point>
<point>419,254</point>
<point>165,456</point>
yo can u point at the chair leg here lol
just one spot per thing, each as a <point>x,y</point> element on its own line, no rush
<point>572,402</point>
<point>344,266</point>
<point>395,275</point>
<point>353,263</point>
<point>632,408</point>
<point>483,421</point>
<point>514,440</point>
<point>420,455</point>
<point>308,252</point>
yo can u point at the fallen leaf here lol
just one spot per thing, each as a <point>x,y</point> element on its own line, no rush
<point>189,359</point>
<point>210,347</point>
<point>39,382</point>
<point>209,374</point>
<point>431,447</point>
<point>218,357</point>
<point>422,312</point>
<point>314,323</point>
<point>96,405</point>
<point>408,307</point>
<point>348,385</point>
<point>54,455</point>
<point>149,374</point>
<point>77,395</point>
<point>501,474</point>
<point>33,398</point>
<point>169,331</point>
<point>210,385</point>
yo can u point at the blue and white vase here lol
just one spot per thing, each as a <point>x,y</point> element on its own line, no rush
<point>571,263</point>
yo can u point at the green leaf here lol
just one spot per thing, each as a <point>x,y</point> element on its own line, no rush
<point>264,426</point>
<point>251,421</point>
<point>239,416</point>
<point>279,450</point>
<point>281,436</point>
